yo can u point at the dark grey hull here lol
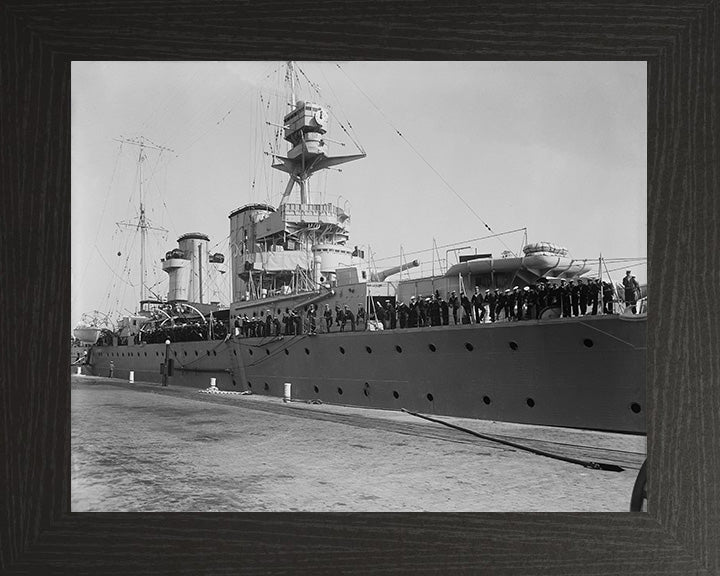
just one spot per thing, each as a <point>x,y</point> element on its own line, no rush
<point>580,372</point>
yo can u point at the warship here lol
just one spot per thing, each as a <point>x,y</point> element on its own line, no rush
<point>295,275</point>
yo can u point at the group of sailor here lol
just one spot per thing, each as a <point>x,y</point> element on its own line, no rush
<point>212,329</point>
<point>573,298</point>
<point>578,297</point>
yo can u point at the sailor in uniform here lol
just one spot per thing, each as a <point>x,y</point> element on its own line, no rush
<point>584,289</point>
<point>510,300</point>
<point>311,318</point>
<point>423,311</point>
<point>478,305</point>
<point>444,311</point>
<point>414,312</point>
<point>519,300</point>
<point>564,299</point>
<point>348,316</point>
<point>529,296</point>
<point>360,316</point>
<point>327,314</point>
<point>403,312</point>
<point>467,308</point>
<point>574,298</point>
<point>490,299</point>
<point>607,292</point>
<point>391,313</point>
<point>632,289</point>
<point>454,304</point>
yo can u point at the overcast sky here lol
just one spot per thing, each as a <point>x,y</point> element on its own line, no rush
<point>558,148</point>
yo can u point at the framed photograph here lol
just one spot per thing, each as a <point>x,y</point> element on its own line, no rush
<point>41,45</point>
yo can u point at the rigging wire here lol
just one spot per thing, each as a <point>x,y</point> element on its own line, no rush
<point>235,101</point>
<point>102,214</point>
<point>452,244</point>
<point>419,155</point>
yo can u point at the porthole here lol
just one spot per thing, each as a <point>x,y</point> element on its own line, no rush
<point>486,399</point>
<point>430,397</point>
<point>340,391</point>
<point>266,387</point>
<point>145,354</point>
<point>342,350</point>
<point>185,352</point>
<point>530,402</point>
<point>307,351</point>
<point>366,392</point>
<point>513,346</point>
<point>267,351</point>
<point>208,352</point>
<point>250,352</point>
<point>588,343</point>
<point>214,353</point>
<point>287,352</point>
<point>369,350</point>
<point>196,352</point>
<point>635,407</point>
<point>432,347</point>
<point>249,384</point>
<point>469,347</point>
<point>317,390</point>
<point>398,349</point>
<point>235,352</point>
<point>395,394</point>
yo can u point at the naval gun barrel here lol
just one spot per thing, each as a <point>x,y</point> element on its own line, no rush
<point>380,276</point>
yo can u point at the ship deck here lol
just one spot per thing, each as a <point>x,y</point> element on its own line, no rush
<point>141,447</point>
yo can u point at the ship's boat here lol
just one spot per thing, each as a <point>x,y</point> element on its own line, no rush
<point>309,309</point>
<point>87,334</point>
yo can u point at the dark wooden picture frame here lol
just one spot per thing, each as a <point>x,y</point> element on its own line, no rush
<point>681,532</point>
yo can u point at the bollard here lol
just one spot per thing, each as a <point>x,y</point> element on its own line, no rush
<point>213,382</point>
<point>168,364</point>
<point>131,378</point>
<point>288,387</point>
<point>79,370</point>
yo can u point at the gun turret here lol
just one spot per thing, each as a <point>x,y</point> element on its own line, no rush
<point>380,276</point>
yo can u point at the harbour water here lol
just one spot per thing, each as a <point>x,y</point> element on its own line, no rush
<point>141,447</point>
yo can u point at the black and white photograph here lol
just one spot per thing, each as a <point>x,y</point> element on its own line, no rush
<point>358,286</point>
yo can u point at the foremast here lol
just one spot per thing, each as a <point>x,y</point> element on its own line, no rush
<point>298,245</point>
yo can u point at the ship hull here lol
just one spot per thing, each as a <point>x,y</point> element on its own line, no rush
<point>584,372</point>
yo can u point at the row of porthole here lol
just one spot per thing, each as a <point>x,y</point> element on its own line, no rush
<point>468,346</point>
<point>196,353</point>
<point>119,354</point>
<point>634,407</point>
<point>130,354</point>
